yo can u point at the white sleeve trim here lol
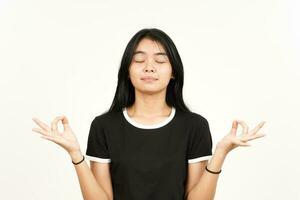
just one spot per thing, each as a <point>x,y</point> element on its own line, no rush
<point>96,159</point>
<point>194,160</point>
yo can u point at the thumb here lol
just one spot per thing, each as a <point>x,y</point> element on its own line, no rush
<point>234,127</point>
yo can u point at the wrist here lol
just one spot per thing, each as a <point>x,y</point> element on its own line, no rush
<point>215,164</point>
<point>221,152</point>
<point>76,156</point>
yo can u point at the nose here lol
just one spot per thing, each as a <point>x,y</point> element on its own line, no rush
<point>149,67</point>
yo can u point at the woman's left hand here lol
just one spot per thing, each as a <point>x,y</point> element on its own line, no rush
<point>231,140</point>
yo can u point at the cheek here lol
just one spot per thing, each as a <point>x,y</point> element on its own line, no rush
<point>134,73</point>
<point>165,70</point>
<point>133,70</point>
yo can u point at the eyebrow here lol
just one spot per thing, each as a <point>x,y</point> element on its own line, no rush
<point>142,52</point>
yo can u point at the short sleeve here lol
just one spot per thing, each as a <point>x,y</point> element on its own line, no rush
<point>97,149</point>
<point>200,142</point>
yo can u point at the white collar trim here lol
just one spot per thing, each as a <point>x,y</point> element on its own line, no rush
<point>157,125</point>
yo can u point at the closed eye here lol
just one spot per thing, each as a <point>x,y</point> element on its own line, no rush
<point>143,61</point>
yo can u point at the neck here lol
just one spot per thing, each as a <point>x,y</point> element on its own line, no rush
<point>149,105</point>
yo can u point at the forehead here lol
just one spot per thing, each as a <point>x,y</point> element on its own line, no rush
<point>148,46</point>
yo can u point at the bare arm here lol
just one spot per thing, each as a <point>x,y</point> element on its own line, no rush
<point>89,186</point>
<point>206,187</point>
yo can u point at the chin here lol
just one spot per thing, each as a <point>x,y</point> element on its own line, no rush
<point>149,90</point>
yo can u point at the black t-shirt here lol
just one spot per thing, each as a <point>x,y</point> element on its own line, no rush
<point>149,162</point>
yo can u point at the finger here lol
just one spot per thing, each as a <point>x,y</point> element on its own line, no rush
<point>241,143</point>
<point>234,127</point>
<point>54,127</point>
<point>259,126</point>
<point>65,122</point>
<point>244,144</point>
<point>244,125</point>
<point>252,137</point>
<point>51,138</point>
<point>41,124</point>
<point>41,131</point>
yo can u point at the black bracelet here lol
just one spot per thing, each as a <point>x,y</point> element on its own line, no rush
<point>212,171</point>
<point>79,161</point>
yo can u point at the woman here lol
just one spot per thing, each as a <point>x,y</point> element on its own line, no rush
<point>148,145</point>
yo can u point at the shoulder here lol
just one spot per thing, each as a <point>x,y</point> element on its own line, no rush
<point>200,127</point>
<point>106,118</point>
<point>194,118</point>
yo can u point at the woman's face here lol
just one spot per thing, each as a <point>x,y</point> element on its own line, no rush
<point>150,70</point>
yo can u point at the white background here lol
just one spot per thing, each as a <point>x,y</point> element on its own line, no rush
<point>241,61</point>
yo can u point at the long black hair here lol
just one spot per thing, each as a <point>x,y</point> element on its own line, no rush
<point>125,94</point>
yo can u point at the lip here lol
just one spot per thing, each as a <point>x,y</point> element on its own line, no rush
<point>148,78</point>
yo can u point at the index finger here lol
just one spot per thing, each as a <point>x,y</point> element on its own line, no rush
<point>65,122</point>
<point>244,125</point>
<point>54,123</point>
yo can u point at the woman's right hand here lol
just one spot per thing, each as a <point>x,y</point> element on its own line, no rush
<point>65,139</point>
